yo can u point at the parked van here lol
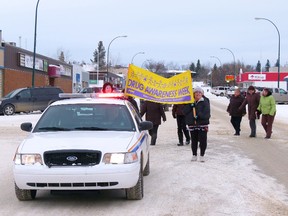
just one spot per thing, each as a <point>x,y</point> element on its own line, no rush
<point>28,99</point>
<point>219,90</point>
<point>280,95</point>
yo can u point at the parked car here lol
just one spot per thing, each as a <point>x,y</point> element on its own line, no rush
<point>230,92</point>
<point>84,144</point>
<point>28,99</point>
<point>280,95</point>
<point>219,90</point>
<point>91,90</point>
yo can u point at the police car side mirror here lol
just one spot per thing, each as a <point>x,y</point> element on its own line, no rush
<point>145,125</point>
<point>26,126</point>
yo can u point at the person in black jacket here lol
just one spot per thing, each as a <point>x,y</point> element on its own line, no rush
<point>154,111</point>
<point>233,109</point>
<point>181,124</point>
<point>197,117</point>
<point>131,100</point>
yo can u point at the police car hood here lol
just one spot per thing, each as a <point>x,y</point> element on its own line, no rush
<point>106,141</point>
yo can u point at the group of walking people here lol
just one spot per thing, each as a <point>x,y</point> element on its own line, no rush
<point>193,118</point>
<point>192,121</point>
<point>258,105</point>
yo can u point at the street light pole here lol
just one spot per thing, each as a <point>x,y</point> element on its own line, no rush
<point>260,18</point>
<point>108,53</point>
<point>211,71</point>
<point>234,63</point>
<point>34,51</point>
<point>136,55</point>
<point>217,58</point>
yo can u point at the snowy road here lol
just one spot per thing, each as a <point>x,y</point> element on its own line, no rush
<point>241,176</point>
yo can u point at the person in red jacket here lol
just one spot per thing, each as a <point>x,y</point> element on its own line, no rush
<point>154,111</point>
<point>252,99</point>
<point>181,124</point>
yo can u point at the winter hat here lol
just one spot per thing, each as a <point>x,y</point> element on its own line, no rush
<point>251,88</point>
<point>268,91</point>
<point>198,89</point>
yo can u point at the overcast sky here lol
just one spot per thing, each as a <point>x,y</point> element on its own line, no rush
<point>178,31</point>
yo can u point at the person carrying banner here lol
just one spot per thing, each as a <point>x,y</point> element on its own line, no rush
<point>131,100</point>
<point>181,124</point>
<point>154,111</point>
<point>197,117</point>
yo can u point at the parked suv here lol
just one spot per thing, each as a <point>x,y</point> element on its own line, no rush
<point>28,99</point>
<point>219,90</point>
<point>279,94</point>
<point>91,90</point>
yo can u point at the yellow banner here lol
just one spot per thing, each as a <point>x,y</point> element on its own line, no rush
<point>147,85</point>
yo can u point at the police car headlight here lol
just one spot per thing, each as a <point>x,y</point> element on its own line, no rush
<point>28,159</point>
<point>120,158</point>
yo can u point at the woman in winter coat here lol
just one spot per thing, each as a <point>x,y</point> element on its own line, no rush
<point>197,117</point>
<point>154,111</point>
<point>233,109</point>
<point>252,99</point>
<point>267,107</point>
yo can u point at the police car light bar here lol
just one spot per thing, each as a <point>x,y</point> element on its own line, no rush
<point>72,95</point>
<point>110,95</point>
<point>92,95</point>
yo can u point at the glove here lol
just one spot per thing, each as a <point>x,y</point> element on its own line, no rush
<point>196,117</point>
<point>258,113</point>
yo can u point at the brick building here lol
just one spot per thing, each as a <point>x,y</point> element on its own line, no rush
<point>16,66</point>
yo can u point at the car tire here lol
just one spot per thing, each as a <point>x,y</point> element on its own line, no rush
<point>221,94</point>
<point>136,192</point>
<point>24,195</point>
<point>9,109</point>
<point>146,171</point>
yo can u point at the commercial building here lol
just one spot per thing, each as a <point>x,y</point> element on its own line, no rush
<point>16,70</point>
<point>264,79</point>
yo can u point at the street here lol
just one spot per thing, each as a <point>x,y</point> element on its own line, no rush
<point>241,175</point>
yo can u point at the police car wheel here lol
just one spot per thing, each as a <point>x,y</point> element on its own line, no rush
<point>146,171</point>
<point>24,195</point>
<point>136,192</point>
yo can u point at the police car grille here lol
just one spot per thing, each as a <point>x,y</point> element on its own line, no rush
<point>72,158</point>
<point>72,185</point>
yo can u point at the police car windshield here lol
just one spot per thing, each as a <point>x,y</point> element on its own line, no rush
<point>90,117</point>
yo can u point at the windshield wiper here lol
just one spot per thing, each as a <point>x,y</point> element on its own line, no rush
<point>90,128</point>
<point>54,129</point>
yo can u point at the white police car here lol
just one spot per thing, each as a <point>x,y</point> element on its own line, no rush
<point>84,144</point>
